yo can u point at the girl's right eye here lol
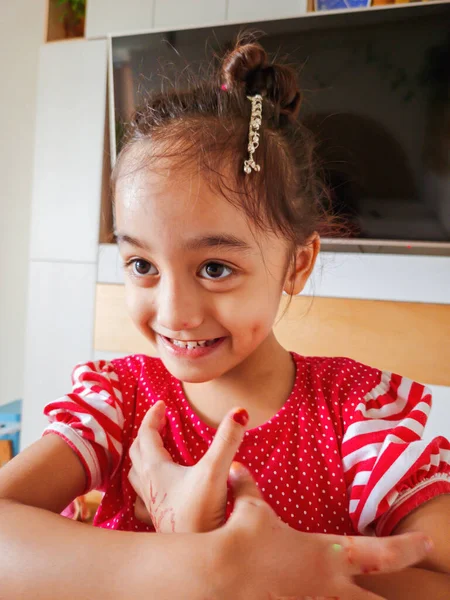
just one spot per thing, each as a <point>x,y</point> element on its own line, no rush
<point>141,267</point>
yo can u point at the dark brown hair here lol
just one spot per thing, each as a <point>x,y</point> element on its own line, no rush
<point>206,126</point>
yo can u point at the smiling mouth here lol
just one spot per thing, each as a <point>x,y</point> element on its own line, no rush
<point>190,345</point>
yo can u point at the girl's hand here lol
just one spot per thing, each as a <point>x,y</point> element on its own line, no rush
<point>175,498</point>
<point>261,557</point>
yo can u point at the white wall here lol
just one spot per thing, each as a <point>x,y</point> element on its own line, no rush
<point>21,33</point>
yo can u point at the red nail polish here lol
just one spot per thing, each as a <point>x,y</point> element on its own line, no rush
<point>241,416</point>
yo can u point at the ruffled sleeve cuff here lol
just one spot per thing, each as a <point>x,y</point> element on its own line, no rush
<point>410,499</point>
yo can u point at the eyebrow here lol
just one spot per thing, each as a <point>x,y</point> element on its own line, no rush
<point>221,240</point>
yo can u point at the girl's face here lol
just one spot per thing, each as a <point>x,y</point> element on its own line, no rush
<point>196,272</point>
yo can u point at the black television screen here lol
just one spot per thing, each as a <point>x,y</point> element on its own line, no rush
<point>376,87</point>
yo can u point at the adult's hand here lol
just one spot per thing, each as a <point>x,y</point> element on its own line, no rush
<point>263,558</point>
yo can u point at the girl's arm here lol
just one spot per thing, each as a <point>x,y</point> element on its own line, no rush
<point>47,557</point>
<point>432,578</point>
<point>432,518</point>
<point>411,584</point>
<point>48,474</point>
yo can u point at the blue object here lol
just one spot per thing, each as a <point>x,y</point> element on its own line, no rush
<point>10,418</point>
<point>339,4</point>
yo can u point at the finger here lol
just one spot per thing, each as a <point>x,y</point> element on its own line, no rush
<point>382,555</point>
<point>247,496</point>
<point>151,446</point>
<point>226,442</point>
<point>155,418</point>
<point>242,483</point>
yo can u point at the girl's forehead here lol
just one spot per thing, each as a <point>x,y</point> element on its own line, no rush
<point>174,197</point>
<point>172,207</point>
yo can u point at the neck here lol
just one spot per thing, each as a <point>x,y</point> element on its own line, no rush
<point>261,384</point>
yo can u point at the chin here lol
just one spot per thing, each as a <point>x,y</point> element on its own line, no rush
<point>193,378</point>
<point>192,373</point>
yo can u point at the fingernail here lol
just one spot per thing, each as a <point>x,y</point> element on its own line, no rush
<point>240,416</point>
<point>429,545</point>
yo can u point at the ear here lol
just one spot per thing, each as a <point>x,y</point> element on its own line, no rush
<point>305,259</point>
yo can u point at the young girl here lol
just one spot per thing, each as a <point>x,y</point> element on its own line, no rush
<point>217,211</point>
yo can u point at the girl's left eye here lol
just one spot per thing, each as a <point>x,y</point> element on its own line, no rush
<point>215,270</point>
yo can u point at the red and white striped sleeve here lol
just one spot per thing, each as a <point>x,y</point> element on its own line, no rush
<point>90,420</point>
<point>389,469</point>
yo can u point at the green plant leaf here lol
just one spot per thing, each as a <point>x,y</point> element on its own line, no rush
<point>78,7</point>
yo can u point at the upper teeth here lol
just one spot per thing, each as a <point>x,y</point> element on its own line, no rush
<point>189,345</point>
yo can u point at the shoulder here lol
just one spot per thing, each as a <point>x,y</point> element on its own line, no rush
<point>346,375</point>
<point>114,374</point>
<point>353,386</point>
<point>93,374</point>
<point>139,373</point>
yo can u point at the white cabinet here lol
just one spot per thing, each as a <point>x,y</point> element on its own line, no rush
<point>66,201</point>
<point>183,13</point>
<point>60,326</point>
<point>70,118</point>
<point>261,10</point>
<point>117,16</point>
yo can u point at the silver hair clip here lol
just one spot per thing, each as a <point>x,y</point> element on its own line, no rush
<point>253,135</point>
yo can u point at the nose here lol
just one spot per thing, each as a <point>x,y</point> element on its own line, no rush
<point>180,306</point>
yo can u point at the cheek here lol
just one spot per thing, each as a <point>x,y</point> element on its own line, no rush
<point>252,322</point>
<point>257,329</point>
<point>139,307</point>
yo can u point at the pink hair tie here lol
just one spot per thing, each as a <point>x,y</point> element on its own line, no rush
<point>224,87</point>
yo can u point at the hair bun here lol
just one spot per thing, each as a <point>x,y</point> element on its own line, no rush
<point>247,66</point>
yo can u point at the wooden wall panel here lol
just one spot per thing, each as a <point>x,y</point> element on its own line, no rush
<point>405,337</point>
<point>106,234</point>
<point>114,330</point>
<point>54,21</point>
<point>6,451</point>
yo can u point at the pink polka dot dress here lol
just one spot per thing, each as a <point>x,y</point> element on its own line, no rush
<point>343,455</point>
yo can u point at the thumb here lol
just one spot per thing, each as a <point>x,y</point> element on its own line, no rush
<point>226,442</point>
